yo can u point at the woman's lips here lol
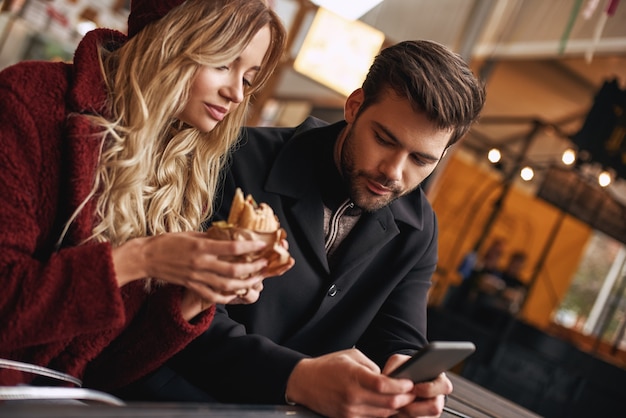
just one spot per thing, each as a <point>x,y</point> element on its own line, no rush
<point>216,112</point>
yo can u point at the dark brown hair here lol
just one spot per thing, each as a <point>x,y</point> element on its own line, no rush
<point>434,79</point>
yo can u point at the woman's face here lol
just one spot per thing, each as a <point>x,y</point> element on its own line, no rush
<point>215,92</point>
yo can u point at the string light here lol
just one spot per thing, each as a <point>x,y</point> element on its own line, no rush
<point>604,178</point>
<point>527,173</point>
<point>569,156</point>
<point>494,155</point>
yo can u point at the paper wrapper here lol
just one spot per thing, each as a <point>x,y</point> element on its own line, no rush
<point>277,256</point>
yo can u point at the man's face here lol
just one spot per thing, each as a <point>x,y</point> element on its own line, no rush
<point>388,150</point>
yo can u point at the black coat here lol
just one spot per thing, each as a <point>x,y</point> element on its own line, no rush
<point>373,298</point>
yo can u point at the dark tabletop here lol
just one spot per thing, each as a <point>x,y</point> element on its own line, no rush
<point>467,400</point>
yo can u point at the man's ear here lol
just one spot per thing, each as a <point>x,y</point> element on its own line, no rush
<point>352,105</point>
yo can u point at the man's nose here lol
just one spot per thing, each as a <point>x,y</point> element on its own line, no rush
<point>392,166</point>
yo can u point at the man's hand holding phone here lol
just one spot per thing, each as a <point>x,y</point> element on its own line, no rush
<point>433,359</point>
<point>427,370</point>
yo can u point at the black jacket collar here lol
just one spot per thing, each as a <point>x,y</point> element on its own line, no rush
<point>294,172</point>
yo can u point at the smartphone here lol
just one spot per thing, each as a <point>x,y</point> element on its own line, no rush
<point>434,359</point>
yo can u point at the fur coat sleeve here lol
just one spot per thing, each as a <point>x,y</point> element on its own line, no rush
<point>60,305</point>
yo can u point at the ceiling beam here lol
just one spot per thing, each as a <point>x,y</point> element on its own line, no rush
<point>549,49</point>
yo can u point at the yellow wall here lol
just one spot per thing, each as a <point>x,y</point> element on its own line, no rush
<point>463,201</point>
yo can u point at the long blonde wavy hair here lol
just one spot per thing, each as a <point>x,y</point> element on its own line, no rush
<point>157,174</point>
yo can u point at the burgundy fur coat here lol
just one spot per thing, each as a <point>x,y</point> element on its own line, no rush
<point>62,308</point>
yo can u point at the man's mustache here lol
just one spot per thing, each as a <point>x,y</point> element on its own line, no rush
<point>391,185</point>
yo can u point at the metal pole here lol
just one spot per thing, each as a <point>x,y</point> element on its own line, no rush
<point>544,256</point>
<point>622,329</point>
<point>481,12</point>
<point>507,183</point>
<point>610,313</point>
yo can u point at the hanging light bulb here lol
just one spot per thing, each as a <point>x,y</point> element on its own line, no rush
<point>527,173</point>
<point>568,157</point>
<point>494,155</point>
<point>604,178</point>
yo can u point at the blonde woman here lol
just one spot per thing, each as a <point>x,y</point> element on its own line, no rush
<point>109,166</point>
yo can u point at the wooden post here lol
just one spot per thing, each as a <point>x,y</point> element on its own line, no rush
<point>254,117</point>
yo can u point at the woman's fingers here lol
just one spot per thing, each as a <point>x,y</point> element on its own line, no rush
<point>250,295</point>
<point>213,269</point>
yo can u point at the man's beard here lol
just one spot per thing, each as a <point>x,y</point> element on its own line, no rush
<point>356,181</point>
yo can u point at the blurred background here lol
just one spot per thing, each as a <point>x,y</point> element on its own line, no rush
<point>542,174</point>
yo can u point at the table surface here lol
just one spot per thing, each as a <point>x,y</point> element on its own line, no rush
<point>467,401</point>
<point>471,400</point>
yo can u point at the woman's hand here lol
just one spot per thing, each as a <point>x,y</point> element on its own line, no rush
<point>192,260</point>
<point>192,304</point>
<point>252,294</point>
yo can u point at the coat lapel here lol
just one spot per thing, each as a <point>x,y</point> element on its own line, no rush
<point>371,233</point>
<point>308,213</point>
<point>87,96</point>
<point>374,231</point>
<point>293,177</point>
<point>83,145</point>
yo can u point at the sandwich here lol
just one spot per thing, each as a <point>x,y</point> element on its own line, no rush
<point>249,220</point>
<point>246,213</point>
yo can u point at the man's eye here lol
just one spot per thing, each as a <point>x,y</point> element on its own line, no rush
<point>419,161</point>
<point>381,140</point>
